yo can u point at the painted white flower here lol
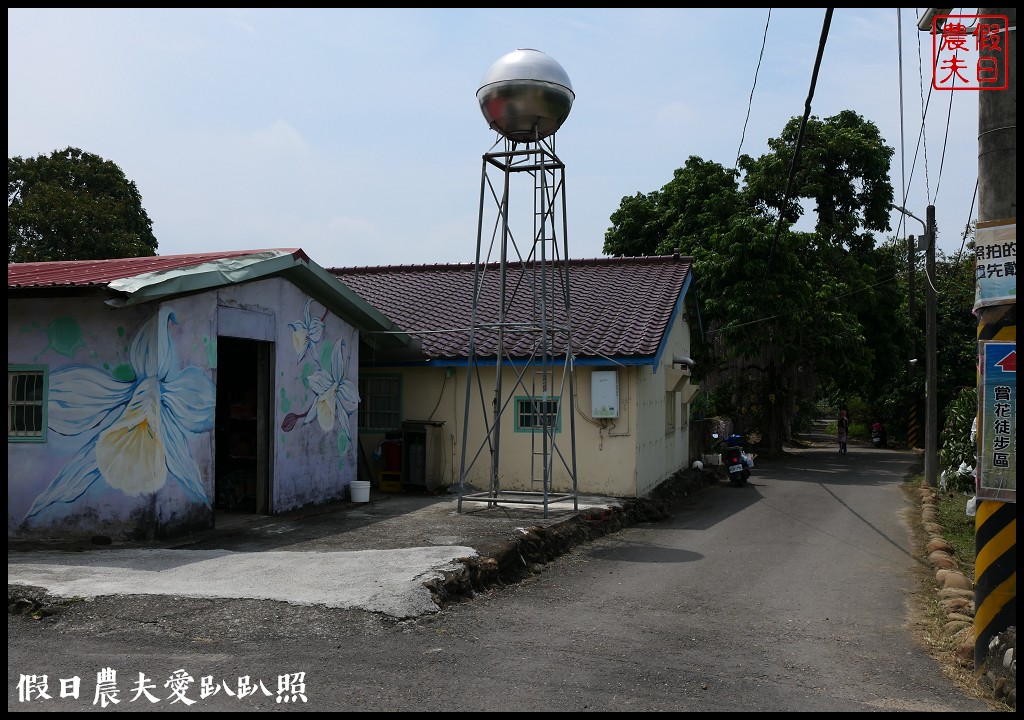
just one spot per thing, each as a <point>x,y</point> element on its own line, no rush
<point>136,429</point>
<point>305,334</point>
<point>336,395</point>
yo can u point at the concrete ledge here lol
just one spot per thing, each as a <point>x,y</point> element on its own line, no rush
<point>505,562</point>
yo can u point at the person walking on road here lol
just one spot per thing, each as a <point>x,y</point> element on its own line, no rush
<point>843,428</point>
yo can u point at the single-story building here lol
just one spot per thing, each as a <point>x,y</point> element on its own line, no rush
<point>630,341</point>
<point>147,395</point>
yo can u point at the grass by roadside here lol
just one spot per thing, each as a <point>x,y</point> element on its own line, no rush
<point>958,531</point>
<point>957,527</point>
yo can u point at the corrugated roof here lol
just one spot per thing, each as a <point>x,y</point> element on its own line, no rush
<point>86,273</point>
<point>131,281</point>
<point>620,307</point>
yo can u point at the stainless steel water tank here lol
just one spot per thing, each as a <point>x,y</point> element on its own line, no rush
<point>525,95</point>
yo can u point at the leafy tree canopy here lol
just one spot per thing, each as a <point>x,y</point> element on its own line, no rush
<point>73,205</point>
<point>782,309</point>
<point>843,168</point>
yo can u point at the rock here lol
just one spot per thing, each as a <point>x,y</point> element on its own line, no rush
<point>942,560</point>
<point>965,653</point>
<point>961,617</point>
<point>953,579</point>
<point>959,604</point>
<point>954,626</point>
<point>999,666</point>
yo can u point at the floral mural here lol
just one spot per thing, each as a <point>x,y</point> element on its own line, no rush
<point>134,424</point>
<point>309,331</point>
<point>337,396</point>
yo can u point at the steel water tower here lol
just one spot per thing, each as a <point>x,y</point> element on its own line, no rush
<point>521,320</point>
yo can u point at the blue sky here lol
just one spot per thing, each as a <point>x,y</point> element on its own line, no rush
<point>355,134</point>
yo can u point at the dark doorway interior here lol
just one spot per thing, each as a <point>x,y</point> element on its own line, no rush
<point>242,485</point>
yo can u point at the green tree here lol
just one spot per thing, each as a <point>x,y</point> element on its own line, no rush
<point>700,200</point>
<point>892,336</point>
<point>73,205</point>
<point>956,326</point>
<point>959,443</point>
<point>785,310</point>
<point>843,169</point>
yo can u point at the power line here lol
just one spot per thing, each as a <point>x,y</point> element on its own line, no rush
<point>921,137</point>
<point>800,135</point>
<point>903,149</point>
<point>945,143</point>
<point>883,281</point>
<point>924,111</point>
<point>967,225</point>
<point>750,101</point>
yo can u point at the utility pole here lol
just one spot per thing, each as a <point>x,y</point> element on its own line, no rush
<point>912,425</point>
<point>931,389</point>
<point>995,536</point>
<point>931,428</point>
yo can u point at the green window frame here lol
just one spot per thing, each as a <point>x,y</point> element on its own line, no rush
<point>27,394</point>
<point>530,413</point>
<point>380,402</point>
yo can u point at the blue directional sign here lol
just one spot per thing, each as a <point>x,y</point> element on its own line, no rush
<point>997,422</point>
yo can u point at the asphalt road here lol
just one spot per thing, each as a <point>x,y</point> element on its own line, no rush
<point>795,593</point>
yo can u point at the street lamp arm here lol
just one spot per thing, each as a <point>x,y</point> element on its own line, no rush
<point>928,240</point>
<point>910,214</point>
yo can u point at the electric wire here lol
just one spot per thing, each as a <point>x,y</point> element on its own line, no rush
<point>921,146</point>
<point>924,112</point>
<point>883,281</point>
<point>917,148</point>
<point>945,144</point>
<point>750,101</point>
<point>922,141</point>
<point>800,136</point>
<point>903,148</point>
<point>949,113</point>
<point>967,226</point>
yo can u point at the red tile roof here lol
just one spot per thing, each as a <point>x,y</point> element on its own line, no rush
<point>156,278</point>
<point>620,307</point>
<point>85,273</point>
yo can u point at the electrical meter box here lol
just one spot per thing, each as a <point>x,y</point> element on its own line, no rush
<point>604,394</point>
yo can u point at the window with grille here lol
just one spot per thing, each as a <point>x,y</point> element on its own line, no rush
<point>26,404</point>
<point>533,414</point>
<point>380,402</point>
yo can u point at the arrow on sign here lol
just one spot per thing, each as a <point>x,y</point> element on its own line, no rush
<point>1008,363</point>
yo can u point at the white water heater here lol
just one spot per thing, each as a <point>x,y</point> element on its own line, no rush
<point>604,394</point>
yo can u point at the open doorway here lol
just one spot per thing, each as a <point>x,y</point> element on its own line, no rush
<point>243,423</point>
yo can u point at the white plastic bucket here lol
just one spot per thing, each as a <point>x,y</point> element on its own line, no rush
<point>359,490</point>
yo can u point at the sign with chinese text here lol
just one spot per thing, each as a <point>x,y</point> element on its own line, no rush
<point>995,264</point>
<point>997,420</point>
<point>970,52</point>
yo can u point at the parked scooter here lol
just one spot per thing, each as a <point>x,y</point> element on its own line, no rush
<point>737,462</point>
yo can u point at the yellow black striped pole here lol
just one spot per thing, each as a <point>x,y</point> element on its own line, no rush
<point>995,522</point>
<point>995,243</point>
<point>912,427</point>
<point>995,570</point>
